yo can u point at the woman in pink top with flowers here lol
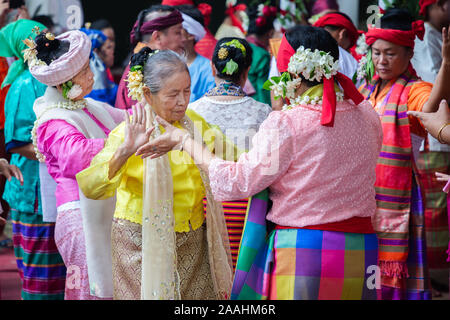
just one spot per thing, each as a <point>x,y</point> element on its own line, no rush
<point>68,133</point>
<point>318,159</point>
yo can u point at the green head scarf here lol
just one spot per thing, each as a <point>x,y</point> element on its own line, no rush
<point>11,45</point>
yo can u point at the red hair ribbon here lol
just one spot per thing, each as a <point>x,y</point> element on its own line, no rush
<point>235,21</point>
<point>424,4</point>
<point>338,20</point>
<point>329,94</point>
<point>402,38</point>
<point>329,97</point>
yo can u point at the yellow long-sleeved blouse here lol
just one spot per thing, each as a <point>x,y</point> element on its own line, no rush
<point>188,187</point>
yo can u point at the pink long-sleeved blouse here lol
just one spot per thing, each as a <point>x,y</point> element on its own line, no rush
<point>316,174</point>
<point>68,151</point>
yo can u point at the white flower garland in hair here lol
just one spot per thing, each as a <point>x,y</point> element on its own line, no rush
<point>308,101</point>
<point>135,81</point>
<point>135,85</point>
<point>312,65</point>
<point>69,105</point>
<point>361,45</point>
<point>362,68</point>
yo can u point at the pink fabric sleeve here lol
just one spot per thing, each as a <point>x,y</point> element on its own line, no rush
<point>63,143</point>
<point>271,156</point>
<point>118,115</point>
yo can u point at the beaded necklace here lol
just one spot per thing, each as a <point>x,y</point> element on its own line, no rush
<point>226,89</point>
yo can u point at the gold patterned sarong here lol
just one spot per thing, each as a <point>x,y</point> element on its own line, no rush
<point>192,262</point>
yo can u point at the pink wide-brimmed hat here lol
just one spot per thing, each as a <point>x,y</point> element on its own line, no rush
<point>69,64</point>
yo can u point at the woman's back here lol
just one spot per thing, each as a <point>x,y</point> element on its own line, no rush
<point>316,174</point>
<point>238,119</point>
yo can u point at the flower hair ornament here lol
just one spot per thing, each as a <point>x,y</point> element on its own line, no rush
<point>231,67</point>
<point>317,66</point>
<point>366,68</point>
<point>30,54</point>
<point>312,65</point>
<point>135,80</point>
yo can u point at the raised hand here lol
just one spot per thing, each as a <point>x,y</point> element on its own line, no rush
<point>136,132</point>
<point>167,142</point>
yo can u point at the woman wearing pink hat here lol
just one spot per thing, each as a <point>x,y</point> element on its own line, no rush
<point>68,133</point>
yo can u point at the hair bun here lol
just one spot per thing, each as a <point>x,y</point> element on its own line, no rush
<point>49,48</point>
<point>140,58</point>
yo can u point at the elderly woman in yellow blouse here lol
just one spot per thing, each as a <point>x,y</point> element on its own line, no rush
<point>161,248</point>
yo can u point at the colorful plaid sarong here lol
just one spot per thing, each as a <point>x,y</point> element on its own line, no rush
<point>41,267</point>
<point>303,264</point>
<point>436,222</point>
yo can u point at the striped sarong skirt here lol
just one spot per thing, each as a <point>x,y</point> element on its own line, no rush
<point>436,222</point>
<point>234,212</point>
<point>298,264</point>
<point>417,285</point>
<point>40,265</point>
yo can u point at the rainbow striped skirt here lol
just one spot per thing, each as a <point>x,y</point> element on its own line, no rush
<point>40,265</point>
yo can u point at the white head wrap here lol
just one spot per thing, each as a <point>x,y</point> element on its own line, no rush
<point>193,27</point>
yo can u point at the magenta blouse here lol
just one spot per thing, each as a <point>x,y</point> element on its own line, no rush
<point>68,151</point>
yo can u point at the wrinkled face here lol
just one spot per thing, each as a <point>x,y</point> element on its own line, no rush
<point>172,101</point>
<point>85,79</point>
<point>171,39</point>
<point>390,60</point>
<point>106,53</point>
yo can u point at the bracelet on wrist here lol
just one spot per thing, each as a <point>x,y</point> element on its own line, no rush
<point>439,136</point>
<point>183,141</point>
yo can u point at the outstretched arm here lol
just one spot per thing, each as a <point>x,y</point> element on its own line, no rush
<point>437,123</point>
<point>440,89</point>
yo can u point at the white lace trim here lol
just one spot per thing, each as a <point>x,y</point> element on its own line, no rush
<point>74,205</point>
<point>227,102</point>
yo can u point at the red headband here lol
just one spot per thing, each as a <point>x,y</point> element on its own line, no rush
<point>157,24</point>
<point>284,55</point>
<point>329,95</point>
<point>424,4</point>
<point>402,38</point>
<point>338,20</point>
<point>235,21</point>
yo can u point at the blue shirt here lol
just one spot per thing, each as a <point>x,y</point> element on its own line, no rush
<point>19,122</point>
<point>202,79</point>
